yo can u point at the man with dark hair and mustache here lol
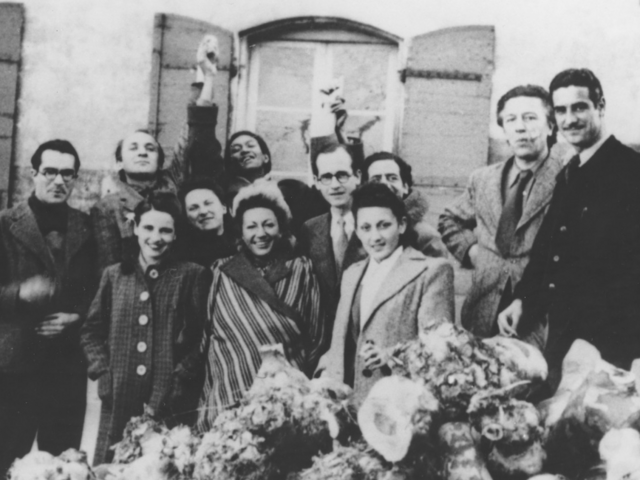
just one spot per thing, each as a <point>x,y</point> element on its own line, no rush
<point>47,281</point>
<point>582,280</point>
<point>492,226</point>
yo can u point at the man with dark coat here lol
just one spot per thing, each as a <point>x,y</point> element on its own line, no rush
<point>584,272</point>
<point>484,228</point>
<point>47,281</point>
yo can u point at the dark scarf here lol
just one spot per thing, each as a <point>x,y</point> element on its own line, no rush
<point>49,217</point>
<point>205,247</point>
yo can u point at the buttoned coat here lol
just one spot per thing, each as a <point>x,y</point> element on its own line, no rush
<point>316,244</point>
<point>417,293</point>
<point>167,315</point>
<point>24,254</point>
<point>473,219</point>
<point>584,274</point>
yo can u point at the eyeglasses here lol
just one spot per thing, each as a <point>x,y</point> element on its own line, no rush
<point>50,174</point>
<point>327,178</point>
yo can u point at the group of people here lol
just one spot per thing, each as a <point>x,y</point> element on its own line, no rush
<point>166,292</point>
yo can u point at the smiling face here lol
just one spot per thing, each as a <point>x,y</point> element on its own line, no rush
<point>379,231</point>
<point>578,118</point>
<point>332,166</point>
<point>387,172</point>
<point>246,153</point>
<point>204,210</point>
<point>156,233</point>
<point>525,124</point>
<point>55,190</point>
<point>140,155</point>
<point>260,230</point>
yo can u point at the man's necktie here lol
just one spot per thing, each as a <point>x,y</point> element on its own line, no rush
<point>340,246</point>
<point>572,168</point>
<point>511,213</point>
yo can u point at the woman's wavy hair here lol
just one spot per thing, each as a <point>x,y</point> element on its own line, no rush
<point>232,168</point>
<point>379,195</point>
<point>262,194</point>
<point>165,202</point>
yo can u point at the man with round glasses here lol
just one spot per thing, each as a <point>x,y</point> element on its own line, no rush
<point>47,281</point>
<point>328,239</point>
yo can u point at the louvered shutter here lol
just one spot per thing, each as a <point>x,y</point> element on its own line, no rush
<point>445,131</point>
<point>11,32</point>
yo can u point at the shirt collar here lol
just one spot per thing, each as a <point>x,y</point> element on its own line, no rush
<point>349,221</point>
<point>515,170</point>
<point>586,154</point>
<point>387,262</point>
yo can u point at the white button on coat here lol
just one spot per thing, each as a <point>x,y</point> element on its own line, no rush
<point>144,296</point>
<point>141,370</point>
<point>143,320</point>
<point>142,347</point>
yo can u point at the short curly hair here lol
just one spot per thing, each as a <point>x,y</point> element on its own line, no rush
<point>262,194</point>
<point>404,167</point>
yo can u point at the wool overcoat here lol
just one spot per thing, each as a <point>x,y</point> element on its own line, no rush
<point>23,254</point>
<point>473,220</point>
<point>417,293</point>
<point>142,333</point>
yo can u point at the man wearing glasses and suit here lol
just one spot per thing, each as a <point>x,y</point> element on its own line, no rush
<point>329,240</point>
<point>47,281</point>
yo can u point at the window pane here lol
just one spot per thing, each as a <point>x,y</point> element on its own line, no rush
<point>365,69</point>
<point>284,133</point>
<point>286,75</point>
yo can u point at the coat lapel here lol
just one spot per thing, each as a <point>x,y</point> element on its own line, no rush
<point>78,232</point>
<point>410,264</point>
<point>323,249</point>
<point>542,189</point>
<point>25,229</point>
<point>243,273</point>
<point>493,188</point>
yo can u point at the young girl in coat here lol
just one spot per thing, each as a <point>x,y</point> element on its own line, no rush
<point>387,298</point>
<point>142,333</point>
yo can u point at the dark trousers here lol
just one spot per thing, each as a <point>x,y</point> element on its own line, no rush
<point>49,405</point>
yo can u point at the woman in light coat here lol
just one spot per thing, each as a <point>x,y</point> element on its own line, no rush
<point>386,299</point>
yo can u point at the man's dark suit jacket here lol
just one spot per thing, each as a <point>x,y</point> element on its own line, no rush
<point>316,244</point>
<point>24,254</point>
<point>584,273</point>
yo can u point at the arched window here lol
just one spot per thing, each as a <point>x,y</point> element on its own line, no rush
<point>285,64</point>
<point>426,98</point>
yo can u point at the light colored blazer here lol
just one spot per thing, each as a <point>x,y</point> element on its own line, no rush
<point>417,293</point>
<point>473,219</point>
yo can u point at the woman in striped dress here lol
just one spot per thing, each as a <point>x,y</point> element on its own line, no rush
<point>263,295</point>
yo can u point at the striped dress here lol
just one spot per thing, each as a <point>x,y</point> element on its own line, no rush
<point>246,311</point>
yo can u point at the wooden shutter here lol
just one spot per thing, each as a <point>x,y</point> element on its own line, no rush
<point>11,32</point>
<point>176,39</point>
<point>445,131</point>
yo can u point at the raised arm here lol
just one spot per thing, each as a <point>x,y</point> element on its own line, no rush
<point>198,152</point>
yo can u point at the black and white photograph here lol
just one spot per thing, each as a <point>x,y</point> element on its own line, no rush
<point>320,239</point>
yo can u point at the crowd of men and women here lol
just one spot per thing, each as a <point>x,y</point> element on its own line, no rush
<point>165,293</point>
